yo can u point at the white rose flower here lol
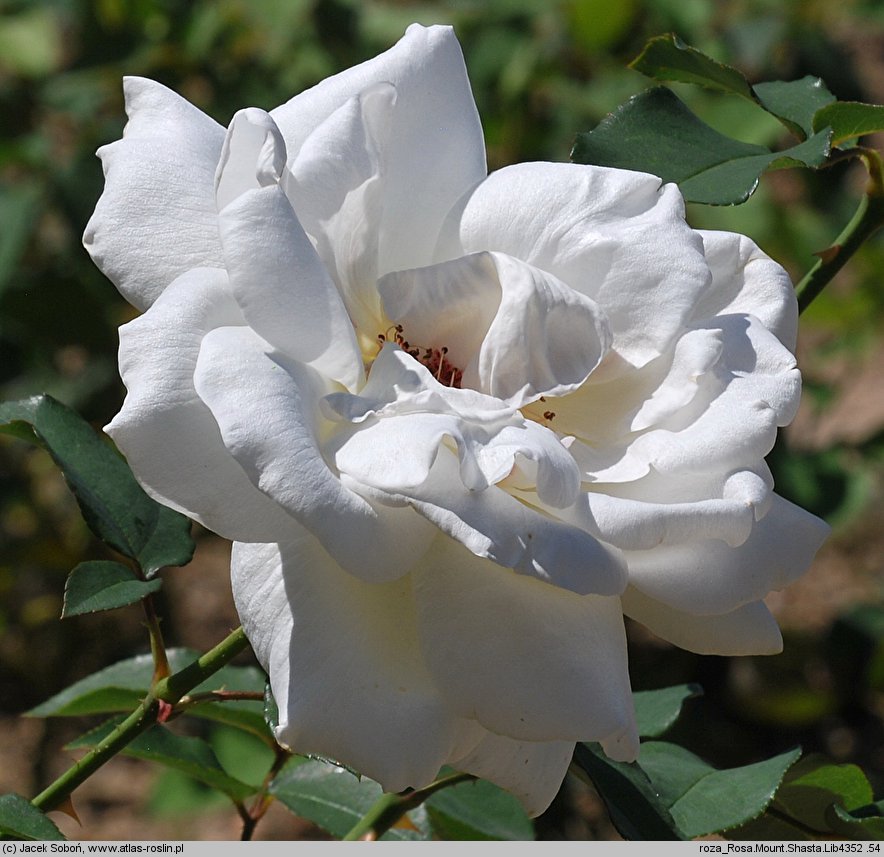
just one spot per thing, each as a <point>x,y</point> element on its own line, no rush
<point>457,425</point>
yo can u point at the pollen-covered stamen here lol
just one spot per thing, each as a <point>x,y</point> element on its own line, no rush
<point>435,359</point>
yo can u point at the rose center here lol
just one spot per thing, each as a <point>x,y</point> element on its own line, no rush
<point>435,359</point>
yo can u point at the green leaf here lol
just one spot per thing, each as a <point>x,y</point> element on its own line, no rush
<point>20,819</point>
<point>241,754</point>
<point>704,800</point>
<point>813,786</point>
<point>815,799</point>
<point>271,709</point>
<point>866,822</point>
<point>122,686</point>
<point>669,58</point>
<point>655,132</point>
<point>100,585</point>
<point>113,504</point>
<point>657,710</point>
<point>478,810</point>
<point>849,120</point>
<point>633,803</point>
<point>331,797</point>
<point>795,102</point>
<point>191,756</point>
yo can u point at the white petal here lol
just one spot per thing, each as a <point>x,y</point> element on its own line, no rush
<point>617,237</point>
<point>344,664</point>
<point>164,429</point>
<point>660,510</point>
<point>267,408</point>
<point>711,578</point>
<point>517,331</point>
<point>748,630</point>
<point>253,156</point>
<point>732,433</point>
<point>399,426</point>
<point>730,423</point>
<point>156,218</point>
<point>637,525</point>
<point>496,526</point>
<point>695,355</point>
<point>436,150</point>
<point>527,660</point>
<point>532,771</point>
<point>746,280</point>
<point>282,287</point>
<point>336,187</point>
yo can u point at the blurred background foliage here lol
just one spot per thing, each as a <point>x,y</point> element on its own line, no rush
<point>541,72</point>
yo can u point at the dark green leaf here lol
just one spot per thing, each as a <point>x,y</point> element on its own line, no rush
<point>866,822</point>
<point>849,120</point>
<point>813,786</point>
<point>242,713</point>
<point>633,803</point>
<point>672,769</point>
<point>478,810</point>
<point>271,709</point>
<point>657,710</point>
<point>113,504</point>
<point>119,687</point>
<point>655,132</point>
<point>816,799</point>
<point>20,819</point>
<point>100,585</point>
<point>122,686</point>
<point>330,797</point>
<point>191,756</point>
<point>669,58</point>
<point>704,800</point>
<point>795,102</point>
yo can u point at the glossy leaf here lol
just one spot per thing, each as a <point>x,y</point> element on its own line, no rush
<point>271,709</point>
<point>478,810</point>
<point>331,797</point>
<point>113,504</point>
<point>806,802</point>
<point>866,822</point>
<point>704,800</point>
<point>100,585</point>
<point>669,58</point>
<point>655,132</point>
<point>20,819</point>
<point>657,710</point>
<point>191,756</point>
<point>849,120</point>
<point>796,102</point>
<point>634,805</point>
<point>122,686</point>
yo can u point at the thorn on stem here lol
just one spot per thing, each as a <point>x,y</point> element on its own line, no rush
<point>165,711</point>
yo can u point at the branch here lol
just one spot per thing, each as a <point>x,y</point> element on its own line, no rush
<point>168,690</point>
<point>389,808</point>
<point>868,219</point>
